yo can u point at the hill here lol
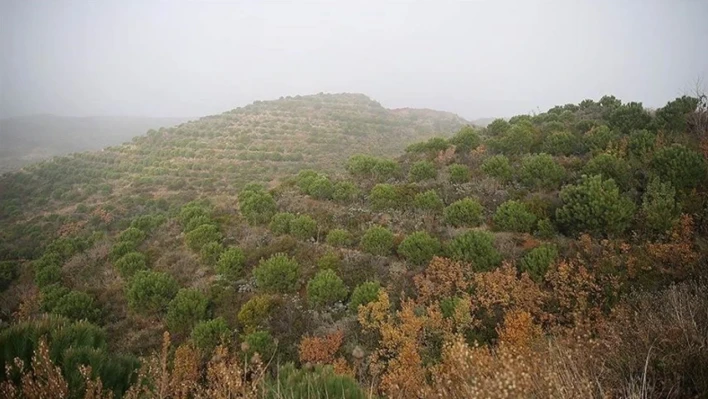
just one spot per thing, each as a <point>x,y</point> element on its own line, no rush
<point>554,255</point>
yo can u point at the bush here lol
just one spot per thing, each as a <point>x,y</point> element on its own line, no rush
<point>498,167</point>
<point>428,201</point>
<point>230,263</point>
<point>364,166</point>
<point>47,275</point>
<point>150,291</point>
<point>326,288</point>
<point>610,167</point>
<point>561,143</point>
<point>514,216</point>
<point>541,172</point>
<point>537,261</point>
<point>595,205</point>
<point>260,342</point>
<point>422,170</point>
<point>321,188</point>
<point>147,223</point>
<point>673,117</point>
<point>74,305</point>
<point>130,263</point>
<point>419,248</point>
<point>339,238</point>
<point>384,196</point>
<point>208,334</point>
<point>187,308</point>
<point>277,274</point>
<point>459,173</point>
<point>257,206</point>
<point>517,140</point>
<point>683,168</point>
<point>434,144</point>
<point>498,127</point>
<point>202,235</point>
<point>659,206</point>
<point>255,312</point>
<point>211,252</point>
<point>197,221</point>
<point>363,294</point>
<point>465,140</point>
<point>377,241</point>
<point>476,248</point>
<point>598,138</point>
<point>305,178</point>
<point>345,191</point>
<point>132,234</point>
<point>641,144</point>
<point>8,274</point>
<point>466,212</point>
<point>330,260</point>
<point>545,228</point>
<point>121,249</point>
<point>303,227</point>
<point>628,117</point>
<point>321,382</point>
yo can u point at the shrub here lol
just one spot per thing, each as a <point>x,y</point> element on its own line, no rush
<point>277,274</point>
<point>230,263</point>
<point>320,382</point>
<point>364,166</point>
<point>305,178</point>
<point>193,210</point>
<point>8,273</point>
<point>659,206</point>
<point>459,173</point>
<point>514,216</point>
<point>339,238</point>
<point>208,334</point>
<point>476,248</point>
<point>465,140</point>
<point>466,212</point>
<point>187,308</point>
<point>384,196</point>
<point>537,261</point>
<point>683,168</point>
<point>326,288</point>
<point>628,117</point>
<point>428,201</point>
<point>498,127</point>
<point>280,222</point>
<point>130,263</point>
<point>150,291</point>
<point>211,252</point>
<point>598,138</point>
<point>673,117</point>
<point>260,342</point>
<point>303,227</point>
<point>345,191</point>
<point>545,228</point>
<point>385,169</point>
<point>202,235</point>
<point>257,206</point>
<point>610,167</point>
<point>121,249</point>
<point>255,312</point>
<point>595,205</point>
<point>74,305</point>
<point>419,248</point>
<point>132,234</point>
<point>641,144</point>
<point>321,188</point>
<point>197,221</point>
<point>47,275</point>
<point>517,140</point>
<point>422,170</point>
<point>363,294</point>
<point>330,260</point>
<point>434,144</point>
<point>377,241</point>
<point>560,143</point>
<point>147,223</point>
<point>541,172</point>
<point>498,166</point>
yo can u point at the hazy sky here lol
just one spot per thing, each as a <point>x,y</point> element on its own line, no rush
<point>475,58</point>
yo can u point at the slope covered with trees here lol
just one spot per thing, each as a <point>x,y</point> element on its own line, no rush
<point>553,255</point>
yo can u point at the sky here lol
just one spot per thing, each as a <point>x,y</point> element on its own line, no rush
<point>475,58</point>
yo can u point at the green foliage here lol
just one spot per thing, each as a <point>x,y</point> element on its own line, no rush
<point>419,248</point>
<point>211,252</point>
<point>150,292</point>
<point>255,312</point>
<point>326,288</point>
<point>465,140</point>
<point>377,241</point>
<point>384,196</point>
<point>48,274</point>
<point>303,227</point>
<point>330,261</point>
<point>72,304</point>
<point>201,236</point>
<point>514,216</point>
<point>641,144</point>
<point>8,274</point>
<point>540,171</point>
<point>676,164</point>
<point>260,342</point>
<point>305,178</point>
<point>561,143</point>
<point>147,223</point>
<point>132,234</point>
<point>612,167</point>
<point>208,334</point>
<point>257,206</point>
<point>628,117</point>
<point>122,248</point>
<point>345,191</point>
<point>599,138</point>
<point>545,228</point>
<point>499,167</point>
<point>428,201</point>
<point>339,238</point>
<point>130,263</point>
<point>280,222</point>
<point>466,212</point>
<point>363,294</point>
<point>498,127</point>
<point>422,170</point>
<point>673,117</point>
<point>116,371</point>
<point>364,166</point>
<point>321,188</point>
<point>595,205</point>
<point>537,261</point>
<point>277,274</point>
<point>476,248</point>
<point>519,139</point>
<point>187,308</point>
<point>321,382</point>
<point>193,210</point>
<point>659,207</point>
<point>231,263</point>
<point>435,144</point>
<point>459,173</point>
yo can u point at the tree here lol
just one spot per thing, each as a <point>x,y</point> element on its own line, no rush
<point>132,234</point>
<point>260,342</point>
<point>231,263</point>
<point>683,168</point>
<point>498,127</point>
<point>363,294</point>
<point>384,196</point>
<point>419,248</point>
<point>517,140</point>
<point>74,305</point>
<point>499,167</point>
<point>659,207</point>
<point>465,140</point>
<point>595,205</point>
<point>208,334</point>
<point>428,201</point>
<point>339,238</point>
<point>599,138</point>
<point>628,117</point>
<point>257,206</point>
<point>434,144</point>
<point>280,222</point>
<point>540,171</point>
<point>201,236</point>
<point>466,212</point>
<point>377,241</point>
<point>537,261</point>
<point>211,252</point>
<point>641,144</point>
<point>459,173</point>
<point>187,308</point>
<point>305,178</point>
<point>151,292</point>
<point>612,167</point>
<point>514,216</point>
<point>422,170</point>
<point>303,227</point>
<point>326,288</point>
<point>130,263</point>
<point>673,117</point>
<point>561,143</point>
<point>277,274</point>
<point>476,248</point>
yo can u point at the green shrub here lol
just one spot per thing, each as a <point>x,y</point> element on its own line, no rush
<point>641,144</point>
<point>386,169</point>
<point>8,274</point>
<point>187,308</point>
<point>345,191</point>
<point>257,206</point>
<point>384,196</point>
<point>133,235</point>
<point>211,252</point>
<point>231,263</point>
<point>377,241</point>
<point>595,205</point>
<point>150,291</point>
<point>422,170</point>
<point>320,382</point>
<point>260,342</point>
<point>610,167</point>
<point>465,140</point>
<point>321,188</point>
<point>255,312</point>
<point>517,140</point>
<point>280,223</point>
<point>419,248</point>
<point>72,304</point>
<point>208,334</point>
<point>130,263</point>
<point>499,167</point>
<point>363,294</point>
<point>326,288</point>
<point>498,127</point>
<point>330,260</point>
<point>303,227</point>
<point>122,248</point>
<point>598,138</point>
<point>476,248</point>
<point>628,117</point>
<point>202,235</point>
<point>193,210</point>
<point>561,143</point>
<point>673,117</point>
<point>434,144</point>
<point>466,212</point>
<point>364,166</point>
<point>514,216</point>
<point>537,261</point>
<point>305,178</point>
<point>545,228</point>
<point>659,207</point>
<point>459,173</point>
<point>429,201</point>
<point>339,238</point>
<point>197,221</point>
<point>147,223</point>
<point>683,168</point>
<point>277,274</point>
<point>47,275</point>
<point>541,171</point>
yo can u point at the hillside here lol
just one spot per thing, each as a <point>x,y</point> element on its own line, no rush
<point>29,139</point>
<point>557,255</point>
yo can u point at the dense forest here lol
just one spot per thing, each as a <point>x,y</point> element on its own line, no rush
<point>279,251</point>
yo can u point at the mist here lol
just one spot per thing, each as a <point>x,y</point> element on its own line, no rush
<point>477,59</point>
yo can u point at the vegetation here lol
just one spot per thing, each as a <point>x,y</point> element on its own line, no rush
<point>514,216</point>
<point>377,241</point>
<point>277,273</point>
<point>326,288</point>
<point>465,212</point>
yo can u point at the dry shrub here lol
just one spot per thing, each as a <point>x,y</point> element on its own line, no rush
<point>503,289</point>
<point>42,380</point>
<point>442,278</point>
<point>321,349</point>
<point>678,256</point>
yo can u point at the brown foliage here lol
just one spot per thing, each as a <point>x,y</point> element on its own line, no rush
<point>42,380</point>
<point>503,289</point>
<point>321,349</point>
<point>442,278</point>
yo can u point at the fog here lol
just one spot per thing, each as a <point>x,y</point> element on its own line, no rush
<point>477,59</point>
